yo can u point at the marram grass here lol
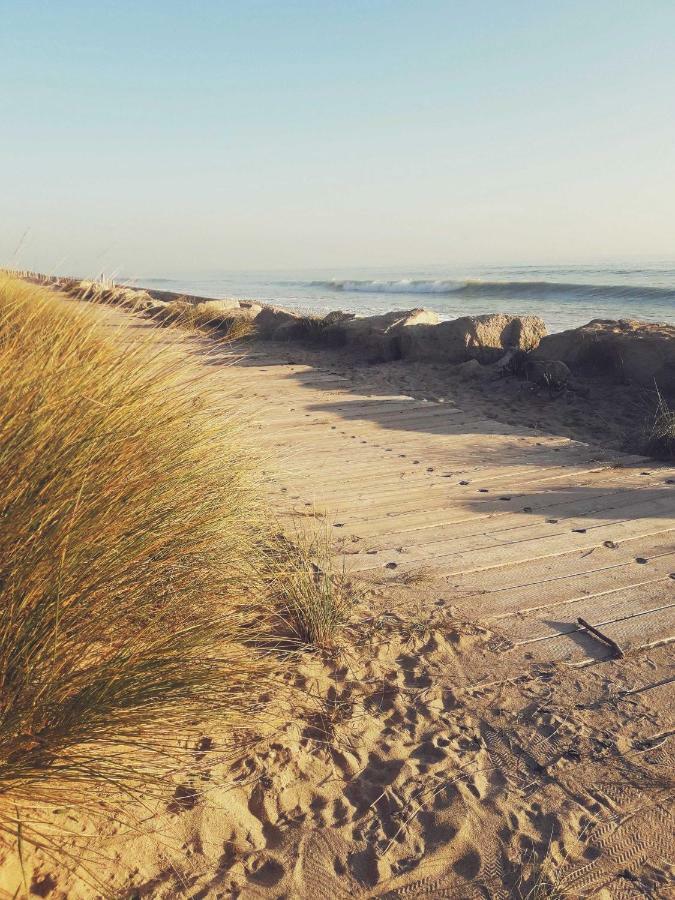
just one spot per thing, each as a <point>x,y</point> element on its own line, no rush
<point>660,443</point>
<point>131,602</point>
<point>313,601</point>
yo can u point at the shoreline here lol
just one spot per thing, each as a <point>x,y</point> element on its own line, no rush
<point>568,299</point>
<point>561,305</point>
<point>626,352</point>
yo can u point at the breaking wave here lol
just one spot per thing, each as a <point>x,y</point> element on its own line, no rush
<point>510,289</point>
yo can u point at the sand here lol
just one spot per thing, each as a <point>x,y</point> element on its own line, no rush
<point>468,738</point>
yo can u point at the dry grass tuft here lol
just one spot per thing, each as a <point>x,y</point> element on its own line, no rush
<point>217,318</point>
<point>545,881</point>
<point>129,561</point>
<point>660,443</point>
<point>310,328</point>
<point>313,601</point>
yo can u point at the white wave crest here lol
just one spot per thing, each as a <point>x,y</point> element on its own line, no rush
<point>404,286</point>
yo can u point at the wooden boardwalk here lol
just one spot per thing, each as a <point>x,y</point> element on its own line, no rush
<point>527,531</point>
<point>523,531</point>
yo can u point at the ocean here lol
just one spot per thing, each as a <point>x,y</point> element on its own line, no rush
<point>565,297</point>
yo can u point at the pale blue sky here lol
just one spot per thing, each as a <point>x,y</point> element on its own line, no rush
<point>164,137</point>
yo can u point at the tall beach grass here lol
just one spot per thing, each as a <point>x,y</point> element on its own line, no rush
<point>132,604</point>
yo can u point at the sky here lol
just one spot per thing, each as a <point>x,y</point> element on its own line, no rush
<point>166,137</point>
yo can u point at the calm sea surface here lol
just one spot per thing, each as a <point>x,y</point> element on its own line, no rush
<point>564,297</point>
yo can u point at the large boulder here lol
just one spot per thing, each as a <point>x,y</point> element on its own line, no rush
<point>630,352</point>
<point>376,338</point>
<point>484,338</point>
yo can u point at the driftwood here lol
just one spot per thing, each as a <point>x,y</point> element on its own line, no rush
<point>602,637</point>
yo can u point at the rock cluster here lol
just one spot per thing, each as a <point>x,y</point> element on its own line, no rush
<point>415,334</point>
<point>626,351</point>
<point>483,338</point>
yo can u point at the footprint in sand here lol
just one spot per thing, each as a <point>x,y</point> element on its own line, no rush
<point>184,799</point>
<point>468,865</point>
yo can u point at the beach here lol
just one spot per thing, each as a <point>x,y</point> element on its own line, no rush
<point>468,736</point>
<point>337,451</point>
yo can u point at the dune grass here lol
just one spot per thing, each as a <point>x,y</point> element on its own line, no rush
<point>132,600</point>
<point>219,318</point>
<point>660,442</point>
<point>312,601</point>
<point>212,316</point>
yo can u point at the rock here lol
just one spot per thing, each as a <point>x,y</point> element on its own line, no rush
<point>377,338</point>
<point>213,311</point>
<point>270,320</point>
<point>633,352</point>
<point>470,369</point>
<point>548,373</point>
<point>284,325</point>
<point>484,338</point>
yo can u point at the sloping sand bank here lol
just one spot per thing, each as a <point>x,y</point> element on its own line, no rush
<point>470,739</point>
